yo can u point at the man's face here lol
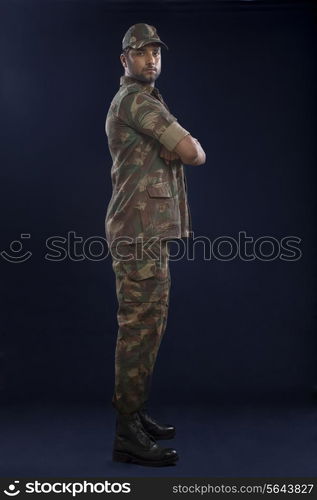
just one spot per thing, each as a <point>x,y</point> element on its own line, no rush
<point>143,64</point>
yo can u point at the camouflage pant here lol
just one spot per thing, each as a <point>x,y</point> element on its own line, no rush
<point>143,287</point>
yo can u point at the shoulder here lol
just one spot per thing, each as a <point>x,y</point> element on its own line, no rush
<point>141,101</point>
<point>127,90</point>
<point>127,98</point>
<point>134,102</point>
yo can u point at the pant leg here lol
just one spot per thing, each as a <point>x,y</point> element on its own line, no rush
<point>165,308</point>
<point>142,287</point>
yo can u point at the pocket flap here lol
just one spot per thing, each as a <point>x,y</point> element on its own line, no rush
<point>159,190</point>
<point>146,270</point>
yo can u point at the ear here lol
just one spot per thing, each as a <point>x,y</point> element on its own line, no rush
<point>123,60</point>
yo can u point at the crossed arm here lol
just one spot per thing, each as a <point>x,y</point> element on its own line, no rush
<point>148,116</point>
<point>188,150</point>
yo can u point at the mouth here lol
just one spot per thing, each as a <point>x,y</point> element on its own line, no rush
<point>151,70</point>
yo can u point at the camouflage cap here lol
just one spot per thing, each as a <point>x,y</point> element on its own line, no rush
<point>139,35</point>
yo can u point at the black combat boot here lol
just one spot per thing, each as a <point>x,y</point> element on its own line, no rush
<point>133,444</point>
<point>156,430</point>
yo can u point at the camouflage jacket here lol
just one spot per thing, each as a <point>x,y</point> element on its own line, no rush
<point>149,197</point>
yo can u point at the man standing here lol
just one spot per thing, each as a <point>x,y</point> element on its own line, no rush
<point>147,208</point>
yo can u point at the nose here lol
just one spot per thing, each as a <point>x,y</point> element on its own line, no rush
<point>150,60</point>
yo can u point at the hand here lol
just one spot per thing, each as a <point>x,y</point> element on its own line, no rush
<point>168,156</point>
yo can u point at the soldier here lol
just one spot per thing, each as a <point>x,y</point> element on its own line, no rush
<point>147,208</point>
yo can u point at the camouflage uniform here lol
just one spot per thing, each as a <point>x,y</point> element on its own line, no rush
<point>143,287</point>
<point>148,204</point>
<point>149,197</point>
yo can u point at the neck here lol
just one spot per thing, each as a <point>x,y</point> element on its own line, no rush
<point>141,82</point>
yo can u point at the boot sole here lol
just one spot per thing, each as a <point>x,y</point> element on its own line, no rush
<point>122,456</point>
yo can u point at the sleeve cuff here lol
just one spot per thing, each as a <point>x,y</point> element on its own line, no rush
<point>172,135</point>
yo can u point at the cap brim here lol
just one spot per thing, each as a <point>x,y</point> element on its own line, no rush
<point>140,44</point>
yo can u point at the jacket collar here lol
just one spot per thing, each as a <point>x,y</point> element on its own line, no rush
<point>128,80</point>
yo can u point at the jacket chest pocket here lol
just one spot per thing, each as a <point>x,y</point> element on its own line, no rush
<point>159,190</point>
<point>161,210</point>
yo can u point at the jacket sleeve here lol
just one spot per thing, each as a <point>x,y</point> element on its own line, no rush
<point>147,115</point>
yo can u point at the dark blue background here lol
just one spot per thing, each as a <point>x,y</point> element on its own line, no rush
<point>241,77</point>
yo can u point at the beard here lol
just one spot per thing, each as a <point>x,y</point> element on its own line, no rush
<point>148,77</point>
